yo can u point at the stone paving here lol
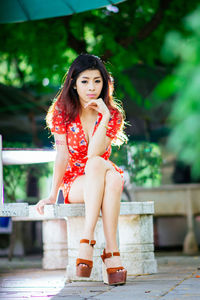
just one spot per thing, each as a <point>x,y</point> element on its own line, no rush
<point>178,278</point>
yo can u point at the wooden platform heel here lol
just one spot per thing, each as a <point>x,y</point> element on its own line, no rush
<point>84,266</point>
<point>113,276</point>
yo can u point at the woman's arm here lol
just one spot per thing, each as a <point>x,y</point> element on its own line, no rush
<point>60,164</point>
<point>99,141</point>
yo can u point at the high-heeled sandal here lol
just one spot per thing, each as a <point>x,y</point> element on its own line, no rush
<point>84,266</point>
<point>113,276</point>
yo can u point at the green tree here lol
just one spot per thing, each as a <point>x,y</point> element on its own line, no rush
<point>184,84</point>
<point>37,52</point>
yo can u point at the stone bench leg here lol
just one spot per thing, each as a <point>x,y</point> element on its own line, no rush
<point>54,244</point>
<point>136,244</point>
<point>75,226</point>
<point>190,245</point>
<point>16,241</point>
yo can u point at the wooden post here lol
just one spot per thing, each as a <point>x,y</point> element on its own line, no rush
<point>1,172</point>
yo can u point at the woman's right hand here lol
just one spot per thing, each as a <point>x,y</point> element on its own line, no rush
<point>40,205</point>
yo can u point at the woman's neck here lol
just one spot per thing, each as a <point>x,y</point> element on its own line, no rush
<point>88,112</point>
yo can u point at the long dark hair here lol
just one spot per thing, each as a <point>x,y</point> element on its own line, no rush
<point>67,100</point>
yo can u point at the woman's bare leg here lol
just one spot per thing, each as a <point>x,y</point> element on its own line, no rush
<point>93,185</point>
<point>110,214</point>
<point>95,172</point>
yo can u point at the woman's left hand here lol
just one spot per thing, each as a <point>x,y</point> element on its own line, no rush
<point>99,105</point>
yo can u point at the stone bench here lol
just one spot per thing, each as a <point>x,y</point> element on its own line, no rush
<point>172,201</point>
<point>61,242</point>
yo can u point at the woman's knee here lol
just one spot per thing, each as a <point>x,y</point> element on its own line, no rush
<point>114,181</point>
<point>95,163</point>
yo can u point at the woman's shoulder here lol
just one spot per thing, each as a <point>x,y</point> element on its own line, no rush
<point>115,113</point>
<point>55,107</point>
<point>56,118</point>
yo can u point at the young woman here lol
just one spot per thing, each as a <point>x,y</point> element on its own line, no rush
<point>85,120</point>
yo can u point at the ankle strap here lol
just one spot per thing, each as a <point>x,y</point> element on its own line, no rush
<point>109,254</point>
<point>90,242</point>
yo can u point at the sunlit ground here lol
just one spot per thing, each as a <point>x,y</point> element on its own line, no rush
<point>177,278</point>
<point>24,277</point>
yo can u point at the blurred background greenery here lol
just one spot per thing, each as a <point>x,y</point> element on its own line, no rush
<point>184,84</point>
<point>152,50</point>
<point>142,160</point>
<point>21,181</point>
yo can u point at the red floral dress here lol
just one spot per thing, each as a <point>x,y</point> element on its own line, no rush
<point>78,146</point>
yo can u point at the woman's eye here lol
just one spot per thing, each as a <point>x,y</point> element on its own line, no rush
<point>85,81</point>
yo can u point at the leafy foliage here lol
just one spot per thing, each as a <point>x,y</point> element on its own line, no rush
<point>142,161</point>
<point>37,52</point>
<point>184,85</point>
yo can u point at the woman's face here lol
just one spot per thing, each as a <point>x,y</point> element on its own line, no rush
<point>89,85</point>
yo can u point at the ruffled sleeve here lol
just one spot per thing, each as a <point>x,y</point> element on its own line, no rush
<point>56,120</point>
<point>114,124</point>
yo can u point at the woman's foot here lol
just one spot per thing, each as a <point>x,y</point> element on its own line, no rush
<point>113,261</point>
<point>113,272</point>
<point>85,251</point>
<point>84,262</point>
